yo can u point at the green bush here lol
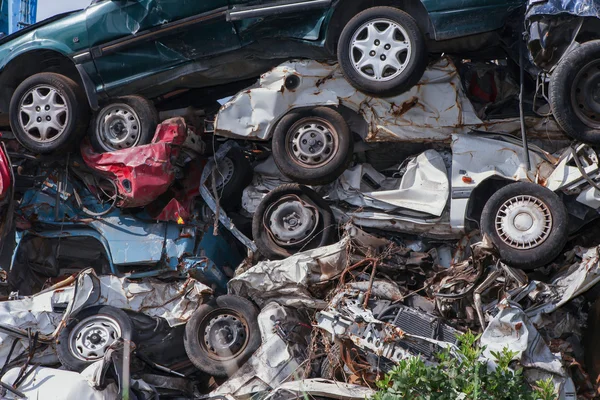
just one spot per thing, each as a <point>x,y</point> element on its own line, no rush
<point>465,377</point>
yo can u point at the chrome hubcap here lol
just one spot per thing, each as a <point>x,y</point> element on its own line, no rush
<point>380,50</point>
<point>312,142</point>
<point>118,127</point>
<point>291,221</point>
<point>523,222</point>
<point>90,339</point>
<point>43,113</point>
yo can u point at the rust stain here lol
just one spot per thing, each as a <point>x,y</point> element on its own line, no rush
<point>325,79</point>
<point>398,111</point>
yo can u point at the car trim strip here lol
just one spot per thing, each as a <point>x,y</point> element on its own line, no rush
<point>263,11</point>
<point>83,57</point>
<point>461,193</point>
<point>152,34</point>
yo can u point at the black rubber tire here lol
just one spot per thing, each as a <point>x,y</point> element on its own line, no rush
<point>195,348</point>
<point>76,102</point>
<point>545,252</point>
<point>146,112</point>
<point>67,359</point>
<point>316,175</point>
<point>230,196</point>
<point>561,84</point>
<point>416,66</point>
<point>327,228</point>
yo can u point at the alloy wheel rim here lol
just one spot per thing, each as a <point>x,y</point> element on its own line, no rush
<point>380,50</point>
<point>43,113</point>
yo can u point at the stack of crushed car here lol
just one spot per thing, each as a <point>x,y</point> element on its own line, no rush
<point>280,199</point>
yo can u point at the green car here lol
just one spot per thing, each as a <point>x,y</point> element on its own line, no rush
<point>105,69</point>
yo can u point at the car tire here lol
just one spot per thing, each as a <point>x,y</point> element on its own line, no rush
<point>234,175</point>
<point>571,95</point>
<point>410,61</point>
<point>333,146</point>
<point>541,214</point>
<point>75,340</point>
<point>61,103</point>
<point>235,314</point>
<point>314,224</point>
<point>123,123</point>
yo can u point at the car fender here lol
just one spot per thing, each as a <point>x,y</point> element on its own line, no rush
<point>81,64</point>
<point>478,158</point>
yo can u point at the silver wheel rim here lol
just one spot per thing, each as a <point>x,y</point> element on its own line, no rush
<point>524,222</point>
<point>312,142</point>
<point>43,114</point>
<point>118,127</point>
<point>291,221</point>
<point>224,172</point>
<point>91,337</point>
<point>380,50</point>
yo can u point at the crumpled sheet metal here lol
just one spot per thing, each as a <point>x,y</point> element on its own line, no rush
<point>174,301</point>
<point>32,312</point>
<point>581,8</point>
<point>427,172</point>
<point>55,384</point>
<point>275,361</point>
<point>432,110</point>
<point>287,281</point>
<point>312,388</point>
<point>513,330</point>
<point>574,281</point>
<point>141,173</point>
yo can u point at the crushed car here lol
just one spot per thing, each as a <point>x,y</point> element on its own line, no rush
<point>115,58</point>
<point>314,120</point>
<point>564,43</point>
<point>480,183</point>
<point>102,211</point>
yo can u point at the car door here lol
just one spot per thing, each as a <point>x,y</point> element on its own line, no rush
<point>260,20</point>
<point>456,18</point>
<point>134,39</point>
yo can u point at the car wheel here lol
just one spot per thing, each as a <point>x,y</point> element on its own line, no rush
<point>87,336</point>
<point>382,52</point>
<point>575,94</point>
<point>292,218</point>
<point>313,147</point>
<point>222,335</point>
<point>48,112</point>
<point>123,123</point>
<point>527,223</point>
<point>233,174</point>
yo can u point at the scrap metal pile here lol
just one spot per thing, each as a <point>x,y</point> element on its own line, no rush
<point>315,228</point>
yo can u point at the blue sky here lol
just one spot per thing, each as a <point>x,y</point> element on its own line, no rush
<point>48,8</point>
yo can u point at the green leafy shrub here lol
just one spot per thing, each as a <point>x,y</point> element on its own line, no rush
<point>465,377</point>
